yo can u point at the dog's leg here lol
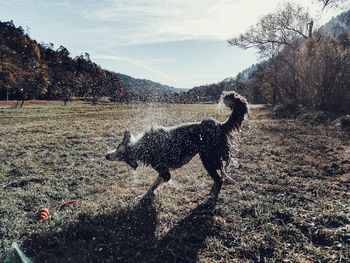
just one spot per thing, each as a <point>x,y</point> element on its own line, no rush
<point>164,176</point>
<point>215,190</point>
<point>158,182</point>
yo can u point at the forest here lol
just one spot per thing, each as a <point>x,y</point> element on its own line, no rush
<point>309,69</point>
<point>300,67</point>
<point>29,70</point>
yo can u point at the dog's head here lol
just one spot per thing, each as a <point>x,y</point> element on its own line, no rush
<point>123,152</point>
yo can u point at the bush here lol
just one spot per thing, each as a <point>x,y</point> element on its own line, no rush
<point>286,110</point>
<point>319,117</point>
<point>345,123</point>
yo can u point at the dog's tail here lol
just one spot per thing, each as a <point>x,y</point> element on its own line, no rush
<point>238,106</point>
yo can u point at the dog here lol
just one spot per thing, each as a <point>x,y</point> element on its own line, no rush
<point>168,148</point>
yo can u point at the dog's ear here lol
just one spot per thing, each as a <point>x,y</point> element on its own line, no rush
<point>127,137</point>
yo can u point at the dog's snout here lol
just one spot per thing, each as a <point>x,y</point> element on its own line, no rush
<point>108,157</point>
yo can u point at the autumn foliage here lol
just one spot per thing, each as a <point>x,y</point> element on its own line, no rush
<point>29,70</point>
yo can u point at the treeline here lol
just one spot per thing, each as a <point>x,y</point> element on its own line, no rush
<point>29,70</point>
<point>146,87</point>
<point>302,67</point>
<point>211,93</point>
<point>177,98</point>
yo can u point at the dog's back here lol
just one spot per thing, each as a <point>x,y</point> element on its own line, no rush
<point>169,147</point>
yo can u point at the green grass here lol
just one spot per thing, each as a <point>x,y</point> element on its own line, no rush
<point>289,200</point>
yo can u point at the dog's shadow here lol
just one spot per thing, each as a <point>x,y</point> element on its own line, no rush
<point>182,242</point>
<point>128,236</point>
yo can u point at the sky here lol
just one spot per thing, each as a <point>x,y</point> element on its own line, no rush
<point>181,43</point>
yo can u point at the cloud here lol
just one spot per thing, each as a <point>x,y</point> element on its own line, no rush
<point>150,21</point>
<point>157,21</point>
<point>56,4</point>
<point>138,63</point>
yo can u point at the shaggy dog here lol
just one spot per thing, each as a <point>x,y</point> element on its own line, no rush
<point>168,148</point>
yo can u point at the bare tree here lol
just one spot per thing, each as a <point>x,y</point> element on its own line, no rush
<point>331,3</point>
<point>285,27</point>
<point>283,30</point>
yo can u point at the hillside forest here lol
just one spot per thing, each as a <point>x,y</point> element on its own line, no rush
<point>29,70</point>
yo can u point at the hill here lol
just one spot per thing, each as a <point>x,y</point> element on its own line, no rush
<point>29,70</point>
<point>211,93</point>
<point>147,87</point>
<point>338,24</point>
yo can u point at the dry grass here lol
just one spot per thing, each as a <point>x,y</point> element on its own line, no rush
<point>28,102</point>
<point>289,201</point>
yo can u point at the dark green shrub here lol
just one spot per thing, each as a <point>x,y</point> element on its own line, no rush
<point>345,123</point>
<point>318,117</point>
<point>288,109</point>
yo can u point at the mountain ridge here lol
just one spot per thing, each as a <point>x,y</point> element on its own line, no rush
<point>147,87</point>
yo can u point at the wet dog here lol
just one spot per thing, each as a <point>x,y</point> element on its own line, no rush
<point>168,148</point>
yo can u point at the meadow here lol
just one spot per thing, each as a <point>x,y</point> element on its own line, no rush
<point>289,200</point>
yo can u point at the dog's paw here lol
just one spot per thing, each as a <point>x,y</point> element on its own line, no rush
<point>145,196</point>
<point>215,190</point>
<point>140,197</point>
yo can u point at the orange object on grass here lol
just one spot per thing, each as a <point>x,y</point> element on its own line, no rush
<point>66,203</point>
<point>43,214</point>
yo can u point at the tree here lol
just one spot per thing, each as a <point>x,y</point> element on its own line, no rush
<point>331,3</point>
<point>7,78</point>
<point>31,86</point>
<point>98,84</point>
<point>278,37</point>
<point>115,88</point>
<point>66,85</point>
<point>285,27</point>
<point>329,74</point>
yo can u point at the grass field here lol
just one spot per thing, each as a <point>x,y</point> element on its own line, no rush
<point>289,201</point>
